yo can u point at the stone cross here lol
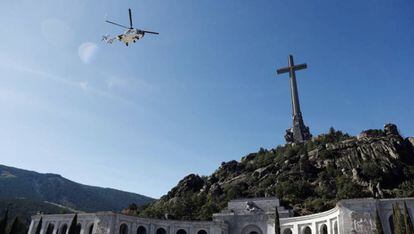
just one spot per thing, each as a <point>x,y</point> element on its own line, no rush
<point>299,132</point>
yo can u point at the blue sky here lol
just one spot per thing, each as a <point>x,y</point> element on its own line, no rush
<point>204,91</point>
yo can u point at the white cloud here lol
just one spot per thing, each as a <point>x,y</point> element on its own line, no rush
<point>84,85</point>
<point>87,51</point>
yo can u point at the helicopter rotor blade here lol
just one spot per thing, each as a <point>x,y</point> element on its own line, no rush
<point>150,32</point>
<point>130,18</point>
<point>116,24</point>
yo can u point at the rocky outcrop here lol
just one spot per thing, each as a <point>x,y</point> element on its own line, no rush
<point>308,177</point>
<point>191,183</point>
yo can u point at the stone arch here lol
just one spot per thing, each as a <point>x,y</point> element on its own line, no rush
<point>287,231</point>
<point>181,231</point>
<point>252,229</point>
<point>391,223</point>
<point>123,229</point>
<point>306,230</point>
<point>161,231</point>
<point>63,229</point>
<point>141,230</point>
<point>202,231</point>
<point>323,229</point>
<point>50,228</point>
<point>90,229</point>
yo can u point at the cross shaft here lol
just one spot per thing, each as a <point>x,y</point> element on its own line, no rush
<point>299,132</point>
<point>292,68</point>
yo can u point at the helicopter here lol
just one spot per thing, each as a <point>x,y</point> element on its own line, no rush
<point>130,35</point>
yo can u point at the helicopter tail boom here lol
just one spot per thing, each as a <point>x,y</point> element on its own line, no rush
<point>150,32</point>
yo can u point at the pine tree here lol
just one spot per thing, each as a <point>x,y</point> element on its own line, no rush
<point>18,227</point>
<point>407,220</point>
<point>73,225</point>
<point>378,223</point>
<point>277,222</point>
<point>3,222</point>
<point>39,226</point>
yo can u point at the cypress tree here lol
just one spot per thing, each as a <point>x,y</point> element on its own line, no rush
<point>407,220</point>
<point>3,222</point>
<point>73,224</point>
<point>378,223</point>
<point>402,220</point>
<point>18,227</point>
<point>14,226</point>
<point>398,219</point>
<point>277,222</point>
<point>39,226</point>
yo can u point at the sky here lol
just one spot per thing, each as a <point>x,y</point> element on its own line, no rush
<point>204,91</point>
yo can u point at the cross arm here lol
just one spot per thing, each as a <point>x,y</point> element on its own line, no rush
<point>283,70</point>
<point>294,68</point>
<point>300,67</point>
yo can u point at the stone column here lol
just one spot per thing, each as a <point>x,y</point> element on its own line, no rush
<point>329,226</point>
<point>31,227</point>
<point>314,228</point>
<point>295,229</point>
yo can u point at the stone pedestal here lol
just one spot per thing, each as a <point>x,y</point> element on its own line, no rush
<point>299,132</point>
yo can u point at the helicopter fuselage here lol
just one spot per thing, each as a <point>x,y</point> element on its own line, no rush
<point>131,35</point>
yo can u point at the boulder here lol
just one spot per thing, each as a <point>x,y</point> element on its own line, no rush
<point>391,129</point>
<point>190,183</point>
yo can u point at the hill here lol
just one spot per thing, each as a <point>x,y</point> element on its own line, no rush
<point>18,183</point>
<point>25,208</point>
<point>308,178</point>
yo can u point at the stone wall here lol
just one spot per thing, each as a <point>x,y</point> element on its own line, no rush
<point>109,222</point>
<point>315,223</point>
<point>358,215</point>
<point>245,216</point>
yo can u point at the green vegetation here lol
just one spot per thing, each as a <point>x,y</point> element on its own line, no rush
<point>25,208</point>
<point>277,222</point>
<point>407,220</point>
<point>54,188</point>
<point>3,222</point>
<point>73,228</point>
<point>398,222</point>
<point>16,227</point>
<point>402,223</point>
<point>308,178</point>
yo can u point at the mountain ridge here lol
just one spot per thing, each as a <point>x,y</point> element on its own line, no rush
<point>53,188</point>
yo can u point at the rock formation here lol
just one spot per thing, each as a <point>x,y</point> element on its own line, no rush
<point>309,177</point>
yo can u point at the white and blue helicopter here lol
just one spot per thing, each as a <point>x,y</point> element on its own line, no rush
<point>129,36</point>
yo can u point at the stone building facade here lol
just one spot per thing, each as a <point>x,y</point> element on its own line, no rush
<point>244,216</point>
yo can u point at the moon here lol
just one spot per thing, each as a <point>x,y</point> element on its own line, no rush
<point>87,52</point>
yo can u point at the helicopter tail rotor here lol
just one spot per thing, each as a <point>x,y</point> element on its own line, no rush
<point>108,39</point>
